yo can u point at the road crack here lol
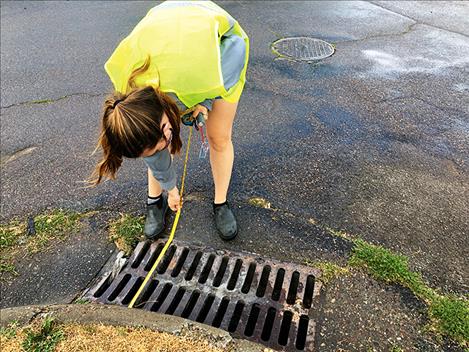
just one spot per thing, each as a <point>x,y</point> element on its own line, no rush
<point>50,101</point>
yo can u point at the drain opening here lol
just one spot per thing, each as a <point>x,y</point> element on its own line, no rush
<point>119,287</point>
<point>193,267</point>
<point>176,300</point>
<point>252,320</point>
<point>133,290</point>
<point>206,270</point>
<point>180,263</point>
<point>140,254</point>
<point>190,304</point>
<point>205,309</point>
<point>235,274</point>
<point>153,257</point>
<point>285,328</point>
<point>163,265</point>
<point>104,286</point>
<point>221,272</point>
<point>295,280</point>
<point>164,293</point>
<point>236,316</point>
<point>278,284</point>
<point>146,294</point>
<point>247,282</point>
<point>309,290</point>
<point>302,332</point>
<point>221,312</point>
<point>268,324</point>
<point>263,281</point>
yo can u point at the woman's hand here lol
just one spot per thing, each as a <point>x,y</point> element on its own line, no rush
<point>174,200</point>
<point>200,109</point>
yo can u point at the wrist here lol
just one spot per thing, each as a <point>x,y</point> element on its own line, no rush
<point>174,191</point>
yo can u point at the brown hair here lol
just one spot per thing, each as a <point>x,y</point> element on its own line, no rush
<point>130,124</point>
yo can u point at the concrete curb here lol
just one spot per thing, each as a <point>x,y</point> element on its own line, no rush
<point>122,316</point>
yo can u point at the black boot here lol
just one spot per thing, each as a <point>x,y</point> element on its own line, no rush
<point>155,219</point>
<point>225,221</point>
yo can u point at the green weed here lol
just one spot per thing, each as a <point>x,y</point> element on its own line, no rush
<point>43,340</point>
<point>329,271</point>
<point>450,315</point>
<point>10,331</point>
<point>126,232</point>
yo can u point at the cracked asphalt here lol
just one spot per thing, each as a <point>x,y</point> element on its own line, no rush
<point>372,141</point>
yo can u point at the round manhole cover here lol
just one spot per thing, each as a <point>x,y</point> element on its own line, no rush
<point>302,48</point>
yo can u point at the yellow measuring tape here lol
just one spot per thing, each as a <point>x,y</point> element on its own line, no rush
<point>173,229</point>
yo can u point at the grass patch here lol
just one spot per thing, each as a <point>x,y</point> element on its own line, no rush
<point>10,234</point>
<point>52,226</point>
<point>9,332</point>
<point>15,241</point>
<point>389,267</point>
<point>329,271</point>
<point>126,232</point>
<point>449,315</point>
<point>43,339</point>
<point>48,336</point>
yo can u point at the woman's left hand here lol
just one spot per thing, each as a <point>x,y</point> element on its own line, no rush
<point>200,109</point>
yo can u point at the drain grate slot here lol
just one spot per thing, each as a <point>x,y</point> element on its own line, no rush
<point>236,316</point>
<point>309,291</point>
<point>235,274</point>
<point>120,286</point>
<point>295,280</point>
<point>252,320</point>
<point>278,284</point>
<point>302,332</point>
<point>140,253</point>
<point>285,328</point>
<point>220,312</point>
<point>193,267</point>
<point>249,277</point>
<point>153,256</point>
<point>163,265</point>
<point>161,298</point>
<point>261,300</point>
<point>263,281</point>
<point>180,262</point>
<point>268,324</point>
<point>206,271</point>
<point>175,302</point>
<point>221,272</point>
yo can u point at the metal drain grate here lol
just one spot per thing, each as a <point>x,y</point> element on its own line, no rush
<point>302,48</point>
<point>265,301</point>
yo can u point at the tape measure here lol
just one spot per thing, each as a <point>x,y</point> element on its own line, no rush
<point>173,229</point>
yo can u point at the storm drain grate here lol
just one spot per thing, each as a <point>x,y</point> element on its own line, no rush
<point>302,48</point>
<point>265,301</point>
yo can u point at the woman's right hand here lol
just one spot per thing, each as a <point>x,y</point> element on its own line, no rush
<point>174,200</point>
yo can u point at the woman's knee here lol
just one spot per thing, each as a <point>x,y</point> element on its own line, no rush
<point>219,143</point>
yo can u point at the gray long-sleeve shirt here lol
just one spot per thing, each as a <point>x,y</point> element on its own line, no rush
<point>233,53</point>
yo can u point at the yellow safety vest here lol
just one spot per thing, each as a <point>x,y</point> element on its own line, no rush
<point>183,43</point>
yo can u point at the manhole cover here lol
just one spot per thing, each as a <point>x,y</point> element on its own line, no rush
<point>302,48</point>
<point>261,300</point>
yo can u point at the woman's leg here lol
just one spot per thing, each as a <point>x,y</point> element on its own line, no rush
<point>154,188</point>
<point>219,128</point>
<point>156,208</point>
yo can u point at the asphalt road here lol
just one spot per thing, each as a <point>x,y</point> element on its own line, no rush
<point>373,140</point>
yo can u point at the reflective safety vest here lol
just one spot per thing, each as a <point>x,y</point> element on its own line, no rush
<point>183,42</point>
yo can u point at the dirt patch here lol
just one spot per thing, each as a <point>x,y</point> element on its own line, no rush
<point>100,337</point>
